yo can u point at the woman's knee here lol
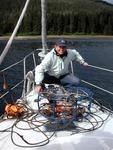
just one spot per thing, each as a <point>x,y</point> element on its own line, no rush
<point>71,79</point>
<point>76,81</point>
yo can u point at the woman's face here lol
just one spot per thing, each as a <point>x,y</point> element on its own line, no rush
<point>60,49</point>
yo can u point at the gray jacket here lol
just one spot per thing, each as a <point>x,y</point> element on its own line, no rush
<point>55,65</point>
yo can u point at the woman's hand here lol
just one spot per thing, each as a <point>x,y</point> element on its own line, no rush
<point>38,88</point>
<point>85,64</point>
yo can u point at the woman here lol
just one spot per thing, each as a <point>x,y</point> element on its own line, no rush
<point>54,68</point>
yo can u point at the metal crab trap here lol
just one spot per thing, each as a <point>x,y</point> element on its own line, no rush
<point>63,107</point>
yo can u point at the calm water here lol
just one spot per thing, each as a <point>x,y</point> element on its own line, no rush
<point>97,52</point>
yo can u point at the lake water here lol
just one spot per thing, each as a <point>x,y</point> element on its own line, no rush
<point>97,52</point>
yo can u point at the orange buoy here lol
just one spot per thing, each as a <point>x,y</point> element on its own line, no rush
<point>14,110</point>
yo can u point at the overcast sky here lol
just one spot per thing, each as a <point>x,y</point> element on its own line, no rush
<point>110,1</point>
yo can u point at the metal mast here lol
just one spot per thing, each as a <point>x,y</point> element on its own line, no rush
<point>44,30</point>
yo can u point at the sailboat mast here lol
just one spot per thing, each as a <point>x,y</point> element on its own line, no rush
<point>43,21</point>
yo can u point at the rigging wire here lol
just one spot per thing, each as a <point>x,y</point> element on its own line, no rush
<point>100,68</point>
<point>102,89</point>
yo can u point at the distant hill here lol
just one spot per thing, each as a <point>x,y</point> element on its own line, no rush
<point>63,17</point>
<point>79,5</point>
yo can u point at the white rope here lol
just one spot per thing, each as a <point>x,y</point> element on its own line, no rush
<point>14,33</point>
<point>97,87</point>
<point>100,68</point>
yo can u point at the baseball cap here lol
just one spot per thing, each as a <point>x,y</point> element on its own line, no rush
<point>61,42</point>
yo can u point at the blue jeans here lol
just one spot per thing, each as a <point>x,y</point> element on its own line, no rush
<point>66,80</point>
<point>69,80</point>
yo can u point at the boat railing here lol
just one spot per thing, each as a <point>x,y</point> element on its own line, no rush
<point>93,85</point>
<point>100,88</point>
<point>26,73</point>
<point>106,98</point>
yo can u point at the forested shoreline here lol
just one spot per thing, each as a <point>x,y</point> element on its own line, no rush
<point>64,17</point>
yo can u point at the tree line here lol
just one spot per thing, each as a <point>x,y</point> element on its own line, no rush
<point>63,17</point>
